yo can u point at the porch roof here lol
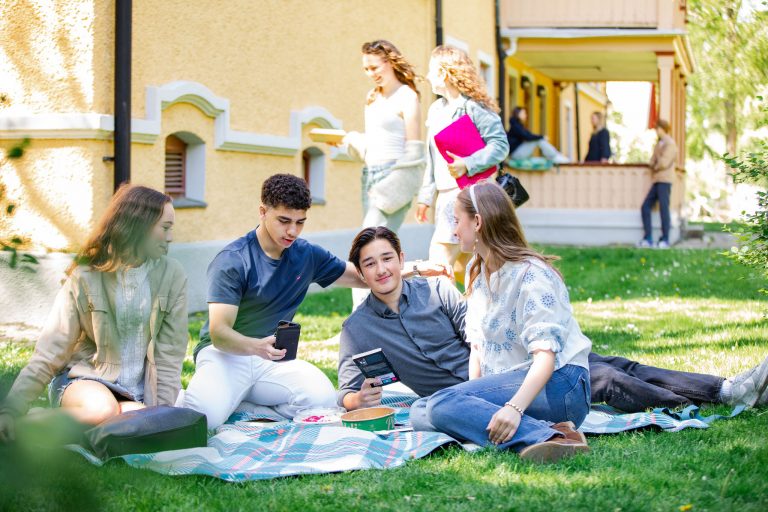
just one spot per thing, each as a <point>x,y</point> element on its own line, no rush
<point>598,54</point>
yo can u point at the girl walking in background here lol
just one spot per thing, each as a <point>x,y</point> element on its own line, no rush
<point>453,76</point>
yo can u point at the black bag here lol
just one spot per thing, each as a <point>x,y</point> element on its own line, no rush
<point>514,188</point>
<point>149,430</point>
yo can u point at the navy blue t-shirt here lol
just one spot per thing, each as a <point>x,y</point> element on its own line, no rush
<point>266,290</point>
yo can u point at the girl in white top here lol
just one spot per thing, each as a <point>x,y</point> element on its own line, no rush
<point>391,146</point>
<point>453,76</point>
<point>529,374</point>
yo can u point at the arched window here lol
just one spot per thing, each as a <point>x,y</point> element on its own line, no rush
<point>313,167</point>
<point>185,169</point>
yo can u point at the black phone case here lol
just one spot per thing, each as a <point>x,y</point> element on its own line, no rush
<point>288,338</point>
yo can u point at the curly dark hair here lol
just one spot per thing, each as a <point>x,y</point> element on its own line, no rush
<point>286,190</point>
<point>368,235</point>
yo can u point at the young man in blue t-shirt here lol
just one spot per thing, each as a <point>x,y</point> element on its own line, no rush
<point>253,283</point>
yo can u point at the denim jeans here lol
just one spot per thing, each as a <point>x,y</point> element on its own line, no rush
<point>525,150</point>
<point>659,192</point>
<point>463,411</point>
<point>633,387</point>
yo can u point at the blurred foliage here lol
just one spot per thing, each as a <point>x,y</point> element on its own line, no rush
<point>753,232</point>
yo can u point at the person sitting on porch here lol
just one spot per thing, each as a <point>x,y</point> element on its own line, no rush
<point>662,166</point>
<point>522,142</point>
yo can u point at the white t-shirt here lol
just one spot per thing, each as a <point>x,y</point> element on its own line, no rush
<point>385,126</point>
<point>441,114</point>
<point>525,308</point>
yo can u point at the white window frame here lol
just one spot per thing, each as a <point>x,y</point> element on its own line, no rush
<point>487,60</point>
<point>194,194</point>
<point>316,173</point>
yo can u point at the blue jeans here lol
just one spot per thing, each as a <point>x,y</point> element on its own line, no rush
<point>463,411</point>
<point>61,382</point>
<point>659,192</point>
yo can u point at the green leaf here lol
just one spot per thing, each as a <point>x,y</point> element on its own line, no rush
<point>28,258</point>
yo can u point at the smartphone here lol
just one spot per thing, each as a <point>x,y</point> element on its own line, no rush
<point>287,335</point>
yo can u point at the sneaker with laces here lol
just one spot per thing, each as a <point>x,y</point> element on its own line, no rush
<point>751,387</point>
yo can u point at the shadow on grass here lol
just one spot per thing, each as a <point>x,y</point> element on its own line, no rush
<point>672,342</point>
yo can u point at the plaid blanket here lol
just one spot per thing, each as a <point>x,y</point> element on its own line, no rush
<point>241,451</point>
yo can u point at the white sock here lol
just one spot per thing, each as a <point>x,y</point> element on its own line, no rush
<point>726,392</point>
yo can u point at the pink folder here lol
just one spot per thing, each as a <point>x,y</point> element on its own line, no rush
<point>462,138</point>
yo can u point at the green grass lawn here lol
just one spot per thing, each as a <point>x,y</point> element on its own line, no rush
<point>689,310</point>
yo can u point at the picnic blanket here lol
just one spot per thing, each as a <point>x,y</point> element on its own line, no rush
<point>241,451</point>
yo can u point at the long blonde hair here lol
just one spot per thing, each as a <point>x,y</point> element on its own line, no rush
<point>402,68</point>
<point>600,121</point>
<point>500,229</point>
<point>461,73</point>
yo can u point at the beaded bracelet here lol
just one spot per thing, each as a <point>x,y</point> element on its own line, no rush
<point>515,407</point>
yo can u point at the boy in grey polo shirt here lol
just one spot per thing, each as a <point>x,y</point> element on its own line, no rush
<point>422,321</point>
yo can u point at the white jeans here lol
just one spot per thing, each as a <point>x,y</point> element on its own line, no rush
<point>221,381</point>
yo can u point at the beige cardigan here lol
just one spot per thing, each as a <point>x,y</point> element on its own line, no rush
<point>664,160</point>
<point>80,335</point>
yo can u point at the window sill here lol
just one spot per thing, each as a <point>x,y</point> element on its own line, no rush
<point>185,202</point>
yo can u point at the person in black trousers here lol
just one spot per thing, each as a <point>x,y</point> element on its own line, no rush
<point>600,141</point>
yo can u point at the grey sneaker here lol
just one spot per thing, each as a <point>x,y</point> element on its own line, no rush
<point>643,244</point>
<point>663,244</point>
<point>751,387</point>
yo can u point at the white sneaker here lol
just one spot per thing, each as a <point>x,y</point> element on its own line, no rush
<point>751,387</point>
<point>663,244</point>
<point>561,159</point>
<point>643,244</point>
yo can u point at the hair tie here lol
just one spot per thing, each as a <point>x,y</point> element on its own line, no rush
<point>473,198</point>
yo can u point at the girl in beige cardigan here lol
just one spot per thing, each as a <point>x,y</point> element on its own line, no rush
<point>117,334</point>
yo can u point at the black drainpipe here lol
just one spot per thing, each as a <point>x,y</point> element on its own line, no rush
<point>501,55</point>
<point>438,22</point>
<point>122,134</point>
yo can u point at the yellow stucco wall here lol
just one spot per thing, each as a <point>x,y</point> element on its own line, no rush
<point>57,56</point>
<point>58,187</point>
<point>519,69</point>
<point>267,58</point>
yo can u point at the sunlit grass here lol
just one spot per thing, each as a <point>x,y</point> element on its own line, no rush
<point>687,310</point>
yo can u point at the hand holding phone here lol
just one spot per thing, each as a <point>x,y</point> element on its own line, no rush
<point>287,338</point>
